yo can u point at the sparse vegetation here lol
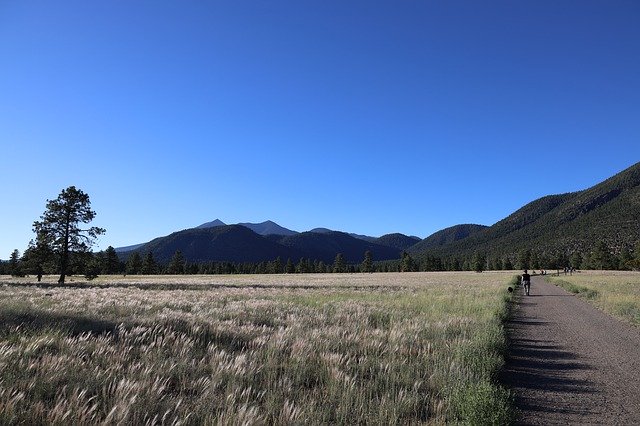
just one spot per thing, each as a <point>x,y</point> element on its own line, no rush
<point>405,348</point>
<point>617,293</point>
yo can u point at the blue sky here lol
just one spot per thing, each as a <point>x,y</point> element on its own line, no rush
<point>366,116</point>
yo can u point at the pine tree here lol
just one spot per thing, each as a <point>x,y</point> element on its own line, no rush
<point>92,266</point>
<point>176,266</point>
<point>479,262</point>
<point>576,260</point>
<point>15,268</point>
<point>601,257</point>
<point>38,259</point>
<point>338,264</point>
<point>545,261</point>
<point>497,262</point>
<point>456,265</point>
<point>506,264</point>
<point>301,267</point>
<point>535,261</point>
<point>59,226</point>
<point>111,261</point>
<point>149,265</point>
<point>524,259</point>
<point>290,267</point>
<point>626,258</point>
<point>134,264</point>
<point>367,263</point>
<point>406,263</point>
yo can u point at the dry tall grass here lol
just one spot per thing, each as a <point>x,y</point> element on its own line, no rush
<point>615,292</point>
<point>419,348</point>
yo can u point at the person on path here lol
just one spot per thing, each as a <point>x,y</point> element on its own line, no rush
<point>526,282</point>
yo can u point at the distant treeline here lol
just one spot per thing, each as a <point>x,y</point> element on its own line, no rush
<point>107,262</point>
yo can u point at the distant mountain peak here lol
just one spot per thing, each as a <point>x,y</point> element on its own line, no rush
<point>212,224</point>
<point>321,230</point>
<point>268,227</point>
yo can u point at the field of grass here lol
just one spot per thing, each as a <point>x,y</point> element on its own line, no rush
<point>412,348</point>
<point>615,292</point>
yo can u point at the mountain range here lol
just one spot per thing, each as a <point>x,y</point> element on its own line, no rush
<point>256,242</point>
<point>551,225</point>
<point>263,228</point>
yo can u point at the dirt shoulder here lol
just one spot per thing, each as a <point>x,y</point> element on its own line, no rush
<point>569,363</point>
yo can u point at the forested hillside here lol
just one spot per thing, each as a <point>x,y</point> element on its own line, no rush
<point>233,243</point>
<point>561,226</point>
<point>237,243</point>
<point>446,236</point>
<point>325,246</point>
<point>398,241</point>
<point>595,228</point>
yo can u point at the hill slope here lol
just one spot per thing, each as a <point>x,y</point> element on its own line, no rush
<point>367,238</point>
<point>397,241</point>
<point>268,228</point>
<point>212,224</point>
<point>237,243</point>
<point>325,246</point>
<point>262,228</point>
<point>564,223</point>
<point>234,243</point>
<point>447,236</point>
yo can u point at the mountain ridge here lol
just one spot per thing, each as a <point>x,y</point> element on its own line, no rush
<point>554,225</point>
<point>231,243</point>
<point>559,225</point>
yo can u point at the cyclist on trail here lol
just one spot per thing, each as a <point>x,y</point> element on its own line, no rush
<point>526,282</point>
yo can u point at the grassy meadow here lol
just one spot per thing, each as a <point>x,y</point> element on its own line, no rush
<point>615,292</point>
<point>411,348</point>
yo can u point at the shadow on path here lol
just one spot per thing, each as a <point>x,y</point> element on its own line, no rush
<point>538,366</point>
<point>543,374</point>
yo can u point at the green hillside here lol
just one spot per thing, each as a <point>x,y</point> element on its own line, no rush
<point>446,236</point>
<point>397,241</point>
<point>560,225</point>
<point>325,246</point>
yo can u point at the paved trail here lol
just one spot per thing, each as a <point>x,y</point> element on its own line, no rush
<point>570,363</point>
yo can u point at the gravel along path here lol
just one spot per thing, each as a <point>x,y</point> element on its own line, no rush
<point>570,363</point>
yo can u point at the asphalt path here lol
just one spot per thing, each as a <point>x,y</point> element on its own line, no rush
<point>570,363</point>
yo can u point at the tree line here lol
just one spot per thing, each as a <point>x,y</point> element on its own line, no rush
<point>598,257</point>
<point>108,262</point>
<point>62,247</point>
<point>34,261</point>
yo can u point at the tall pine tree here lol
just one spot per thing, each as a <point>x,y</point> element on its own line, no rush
<point>338,264</point>
<point>14,264</point>
<point>149,265</point>
<point>111,261</point>
<point>177,264</point>
<point>134,264</point>
<point>367,263</point>
<point>59,227</point>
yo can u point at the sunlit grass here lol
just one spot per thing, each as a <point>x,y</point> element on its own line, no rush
<point>300,349</point>
<point>615,292</point>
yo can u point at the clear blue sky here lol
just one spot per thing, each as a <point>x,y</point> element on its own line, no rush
<point>366,116</point>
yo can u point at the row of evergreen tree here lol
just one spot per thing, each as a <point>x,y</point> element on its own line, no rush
<point>600,257</point>
<point>63,246</point>
<point>36,261</point>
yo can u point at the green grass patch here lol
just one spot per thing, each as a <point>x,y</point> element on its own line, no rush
<point>585,292</point>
